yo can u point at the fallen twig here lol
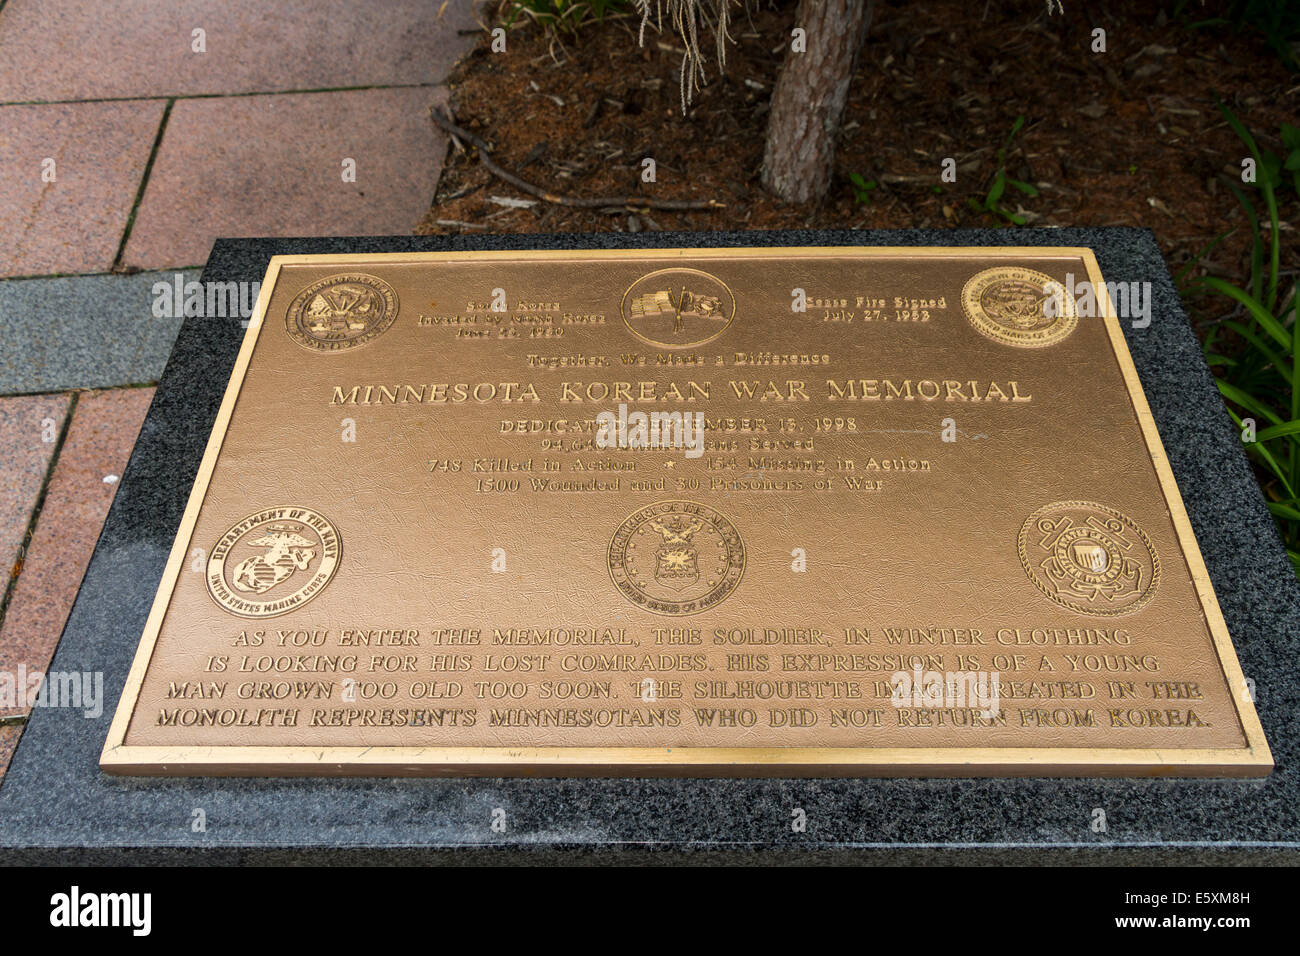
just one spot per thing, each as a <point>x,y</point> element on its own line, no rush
<point>511,203</point>
<point>633,202</point>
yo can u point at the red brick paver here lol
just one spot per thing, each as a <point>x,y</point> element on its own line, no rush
<point>75,222</point>
<point>273,166</point>
<point>268,164</point>
<point>103,430</point>
<point>8,741</point>
<point>74,50</point>
<point>29,431</point>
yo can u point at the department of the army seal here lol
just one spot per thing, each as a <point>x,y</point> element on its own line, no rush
<point>1020,307</point>
<point>341,312</point>
<point>676,557</point>
<point>273,562</point>
<point>1089,558</point>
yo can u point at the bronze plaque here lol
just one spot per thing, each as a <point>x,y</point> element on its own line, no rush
<point>798,511</point>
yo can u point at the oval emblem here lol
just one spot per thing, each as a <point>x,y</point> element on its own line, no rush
<point>1020,307</point>
<point>341,312</point>
<point>1089,558</point>
<point>676,557</point>
<point>273,562</point>
<point>678,308</point>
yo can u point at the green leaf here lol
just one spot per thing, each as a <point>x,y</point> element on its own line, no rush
<point>1192,263</point>
<point>1248,402</point>
<point>1239,129</point>
<point>1282,366</point>
<point>1263,453</point>
<point>1295,392</point>
<point>996,190</point>
<point>1260,314</point>
<point>1279,431</point>
<point>1213,358</point>
<point>1265,184</point>
<point>1284,511</point>
<point>1257,243</point>
<point>1270,170</point>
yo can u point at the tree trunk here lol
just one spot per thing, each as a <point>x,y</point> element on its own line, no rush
<point>809,98</point>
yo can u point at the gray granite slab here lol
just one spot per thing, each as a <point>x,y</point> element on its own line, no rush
<point>83,332</point>
<point>55,805</point>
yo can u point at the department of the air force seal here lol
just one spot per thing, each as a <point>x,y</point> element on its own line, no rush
<point>678,308</point>
<point>1020,307</point>
<point>341,312</point>
<point>273,562</point>
<point>676,557</point>
<point>1089,558</point>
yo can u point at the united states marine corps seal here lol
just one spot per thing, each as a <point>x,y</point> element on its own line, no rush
<point>1020,307</point>
<point>341,312</point>
<point>273,562</point>
<point>1089,558</point>
<point>676,557</point>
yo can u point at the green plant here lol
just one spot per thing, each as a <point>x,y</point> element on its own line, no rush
<point>861,188</point>
<point>1277,20</point>
<point>992,201</point>
<point>1256,371</point>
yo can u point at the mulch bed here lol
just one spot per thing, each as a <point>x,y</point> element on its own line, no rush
<point>1129,137</point>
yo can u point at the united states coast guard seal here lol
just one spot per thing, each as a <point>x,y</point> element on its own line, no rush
<point>273,562</point>
<point>1089,558</point>
<point>341,312</point>
<point>676,557</point>
<point>1020,307</point>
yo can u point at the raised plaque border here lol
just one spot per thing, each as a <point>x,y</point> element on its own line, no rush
<point>1253,760</point>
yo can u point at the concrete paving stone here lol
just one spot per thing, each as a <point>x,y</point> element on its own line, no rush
<point>74,221</point>
<point>273,166</point>
<point>85,331</point>
<point>29,432</point>
<point>70,49</point>
<point>99,441</point>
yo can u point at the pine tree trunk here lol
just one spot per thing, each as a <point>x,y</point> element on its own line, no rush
<point>809,98</point>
